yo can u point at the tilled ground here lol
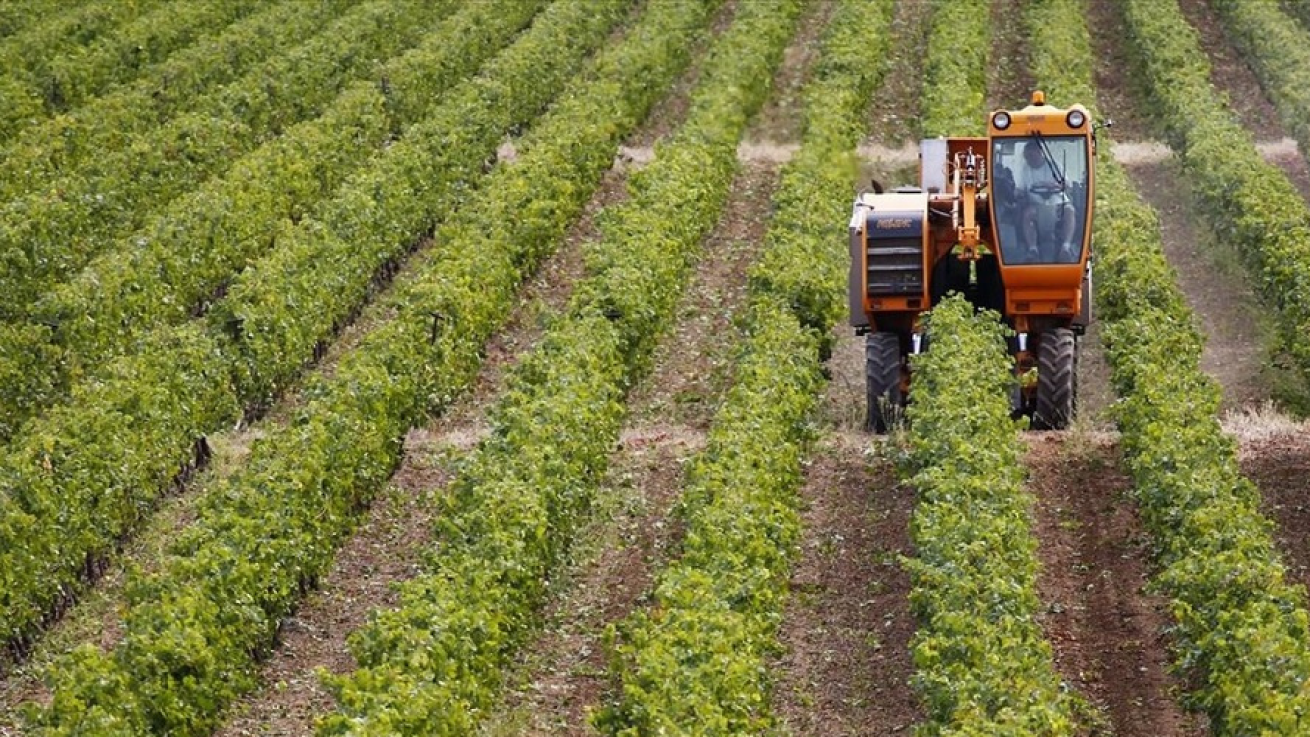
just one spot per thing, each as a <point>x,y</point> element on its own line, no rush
<point>847,626</point>
<point>1107,634</point>
<point>782,116</point>
<point>1232,76</point>
<point>562,679</point>
<point>634,530</point>
<point>387,547</point>
<point>1279,464</point>
<point>1216,288</point>
<point>894,118</point>
<point>1212,279</point>
<point>1009,84</point>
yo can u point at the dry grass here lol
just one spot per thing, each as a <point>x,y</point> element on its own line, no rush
<point>1262,422</point>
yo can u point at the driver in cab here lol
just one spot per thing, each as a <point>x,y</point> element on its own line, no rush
<point>1045,208</point>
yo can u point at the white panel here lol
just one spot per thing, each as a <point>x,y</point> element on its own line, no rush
<point>932,164</point>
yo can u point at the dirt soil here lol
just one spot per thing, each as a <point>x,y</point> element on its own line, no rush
<point>1234,78</point>
<point>847,626</point>
<point>1108,636</point>
<point>1094,393</point>
<point>562,674</point>
<point>1231,75</point>
<point>1009,83</point>
<point>1119,88</point>
<point>843,405</point>
<point>780,119</point>
<point>1280,466</point>
<point>894,118</point>
<point>1215,286</point>
<point>386,548</point>
<point>670,113</point>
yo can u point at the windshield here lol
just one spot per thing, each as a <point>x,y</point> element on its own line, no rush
<point>1039,198</point>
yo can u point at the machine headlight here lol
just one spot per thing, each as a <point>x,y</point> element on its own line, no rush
<point>1001,120</point>
<point>1076,118</point>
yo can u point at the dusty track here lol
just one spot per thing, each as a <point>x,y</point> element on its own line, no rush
<point>1232,76</point>
<point>847,625</point>
<point>1108,635</point>
<point>846,628</point>
<point>562,677</point>
<point>894,117</point>
<point>1216,287</point>
<point>781,117</point>
<point>387,547</point>
<point>1009,83</point>
<point>1279,464</point>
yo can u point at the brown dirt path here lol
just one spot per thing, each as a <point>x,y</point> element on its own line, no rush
<point>1216,287</point>
<point>564,678</point>
<point>894,118</point>
<point>1107,634</point>
<point>1234,78</point>
<point>1279,464</point>
<point>386,548</point>
<point>847,626</point>
<point>780,120</point>
<point>1119,90</point>
<point>1009,83</point>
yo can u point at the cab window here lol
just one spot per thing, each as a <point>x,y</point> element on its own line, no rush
<point>1039,198</point>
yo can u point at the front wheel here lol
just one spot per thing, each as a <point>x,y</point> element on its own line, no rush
<point>1057,363</point>
<point>882,370</point>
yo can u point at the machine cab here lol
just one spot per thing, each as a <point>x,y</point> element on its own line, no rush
<point>1041,203</point>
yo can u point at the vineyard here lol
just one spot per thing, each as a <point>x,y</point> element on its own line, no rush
<point>481,367</point>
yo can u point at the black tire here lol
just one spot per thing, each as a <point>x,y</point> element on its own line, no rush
<point>1057,380</point>
<point>882,373</point>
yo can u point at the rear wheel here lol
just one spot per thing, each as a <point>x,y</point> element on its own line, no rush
<point>882,371</point>
<point>1057,364</point>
